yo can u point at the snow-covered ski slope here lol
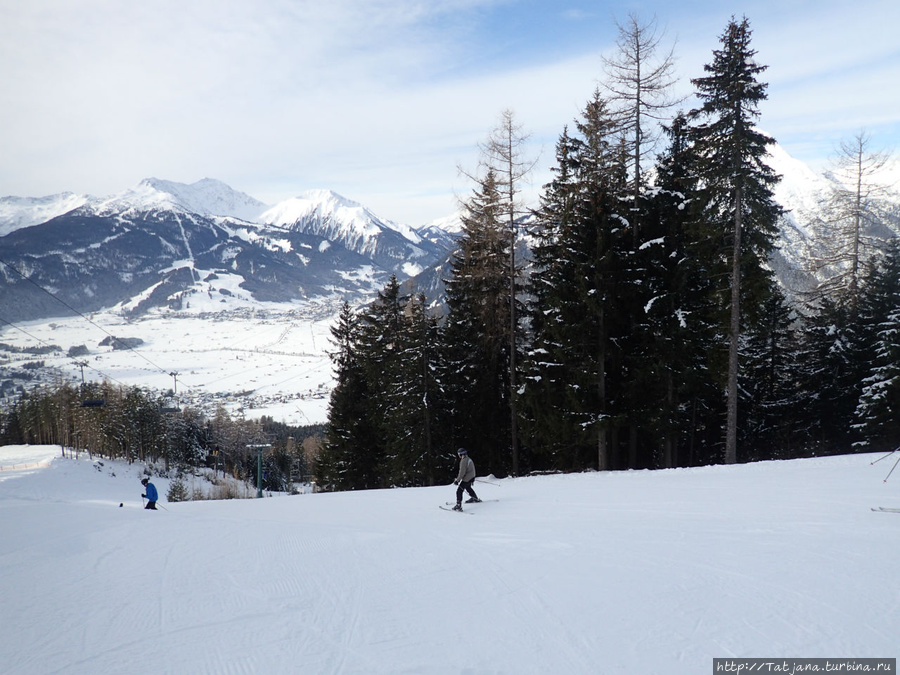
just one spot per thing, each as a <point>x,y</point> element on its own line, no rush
<point>637,572</point>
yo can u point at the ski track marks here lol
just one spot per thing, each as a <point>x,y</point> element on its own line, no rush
<point>635,572</point>
<point>531,602</point>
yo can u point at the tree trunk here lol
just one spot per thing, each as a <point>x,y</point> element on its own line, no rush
<point>602,436</point>
<point>734,334</point>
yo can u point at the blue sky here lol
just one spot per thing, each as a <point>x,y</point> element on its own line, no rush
<point>382,100</point>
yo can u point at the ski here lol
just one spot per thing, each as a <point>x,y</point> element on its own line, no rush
<point>444,508</point>
<point>885,509</point>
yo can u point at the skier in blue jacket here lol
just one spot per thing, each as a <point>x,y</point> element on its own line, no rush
<point>151,495</point>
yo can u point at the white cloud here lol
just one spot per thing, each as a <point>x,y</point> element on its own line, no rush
<point>378,99</point>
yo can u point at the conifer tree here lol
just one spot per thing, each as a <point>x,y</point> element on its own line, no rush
<point>577,295</point>
<point>414,398</point>
<point>769,386</point>
<point>672,384</point>
<point>349,459</point>
<point>146,424</point>
<point>841,344</point>
<point>828,381</point>
<point>382,329</point>
<point>476,332</point>
<point>876,414</point>
<point>546,407</point>
<point>735,190</point>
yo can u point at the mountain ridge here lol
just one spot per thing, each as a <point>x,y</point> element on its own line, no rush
<point>207,227</point>
<point>207,197</point>
<point>242,307</point>
<point>159,243</point>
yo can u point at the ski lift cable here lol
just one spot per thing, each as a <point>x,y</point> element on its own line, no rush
<point>231,346</point>
<point>90,321</point>
<point>302,373</point>
<point>292,377</point>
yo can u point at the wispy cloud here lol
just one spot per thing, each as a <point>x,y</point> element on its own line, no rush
<point>379,99</point>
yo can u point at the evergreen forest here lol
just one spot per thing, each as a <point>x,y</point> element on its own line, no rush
<point>645,329</point>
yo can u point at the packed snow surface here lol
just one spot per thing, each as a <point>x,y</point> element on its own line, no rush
<point>634,572</point>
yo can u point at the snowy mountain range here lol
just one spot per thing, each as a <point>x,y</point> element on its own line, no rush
<point>19,212</point>
<point>805,196</point>
<point>236,295</point>
<point>160,243</point>
<point>207,197</point>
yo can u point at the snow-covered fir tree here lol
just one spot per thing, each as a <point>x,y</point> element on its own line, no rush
<point>350,458</point>
<point>578,295</point>
<point>415,401</point>
<point>734,191</point>
<point>876,415</point>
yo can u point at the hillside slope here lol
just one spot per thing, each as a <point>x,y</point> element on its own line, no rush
<point>637,572</point>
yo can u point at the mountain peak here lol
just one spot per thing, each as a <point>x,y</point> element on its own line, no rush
<point>325,196</point>
<point>326,210</point>
<point>18,212</point>
<point>800,188</point>
<point>207,197</point>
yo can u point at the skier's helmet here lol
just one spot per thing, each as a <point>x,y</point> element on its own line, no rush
<point>145,481</point>
<point>462,451</point>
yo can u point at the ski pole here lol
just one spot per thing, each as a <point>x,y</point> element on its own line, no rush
<point>479,480</point>
<point>892,470</point>
<point>884,457</point>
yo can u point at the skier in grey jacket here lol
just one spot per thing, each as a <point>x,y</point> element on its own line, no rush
<point>464,479</point>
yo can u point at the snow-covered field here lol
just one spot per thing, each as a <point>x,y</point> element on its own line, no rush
<point>251,360</point>
<point>636,572</point>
